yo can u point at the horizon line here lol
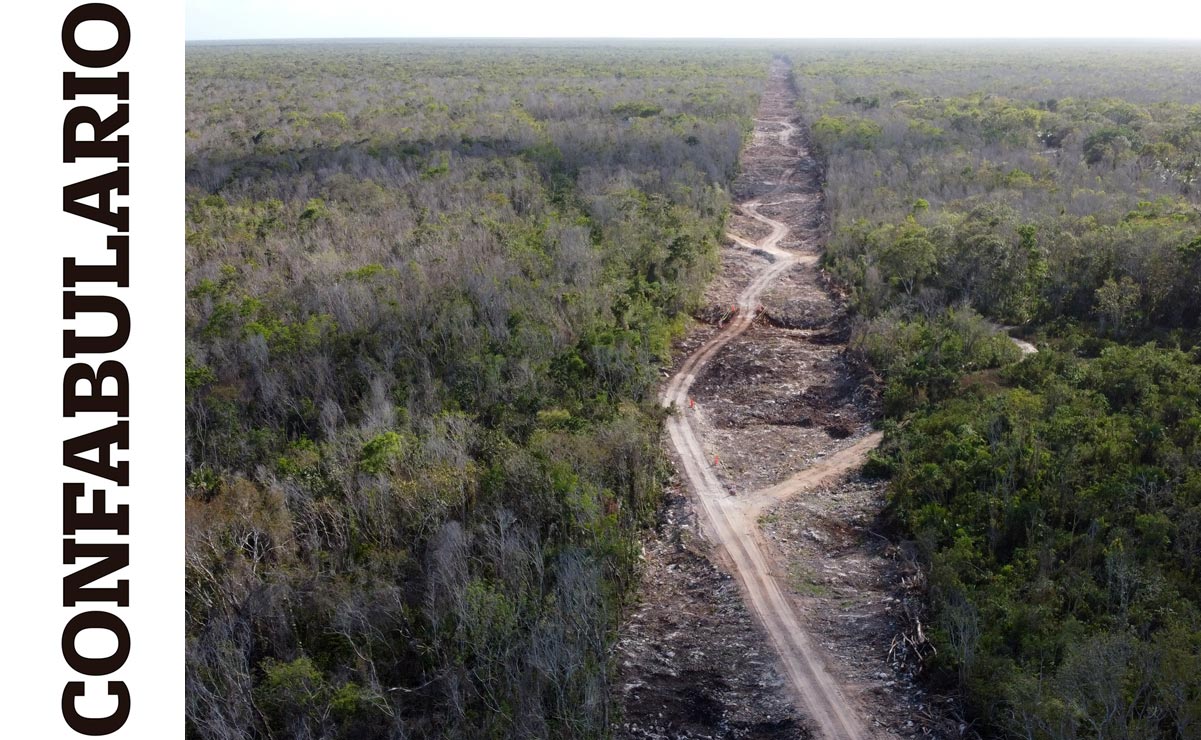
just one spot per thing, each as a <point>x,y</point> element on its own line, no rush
<point>702,38</point>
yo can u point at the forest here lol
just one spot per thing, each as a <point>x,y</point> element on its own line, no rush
<point>432,288</point>
<point>1054,501</point>
<point>429,288</point>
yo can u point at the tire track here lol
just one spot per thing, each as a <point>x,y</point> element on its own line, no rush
<point>732,522</point>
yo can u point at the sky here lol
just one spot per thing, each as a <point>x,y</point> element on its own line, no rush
<point>283,19</point>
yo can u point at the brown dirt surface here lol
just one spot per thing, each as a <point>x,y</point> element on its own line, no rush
<point>771,415</point>
<point>861,596</point>
<point>692,663</point>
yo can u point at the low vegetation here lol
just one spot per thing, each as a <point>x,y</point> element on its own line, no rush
<point>1055,500</point>
<point>429,288</point>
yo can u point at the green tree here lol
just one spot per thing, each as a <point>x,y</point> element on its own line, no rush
<point>909,256</point>
<point>1116,305</point>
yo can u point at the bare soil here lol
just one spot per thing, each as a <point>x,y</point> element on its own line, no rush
<point>769,609</point>
<point>860,594</point>
<point>692,662</point>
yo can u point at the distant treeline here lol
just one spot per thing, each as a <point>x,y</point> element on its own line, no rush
<point>429,288</point>
<point>1055,501</point>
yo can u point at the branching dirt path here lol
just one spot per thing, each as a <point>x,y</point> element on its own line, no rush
<point>771,161</point>
<point>770,606</point>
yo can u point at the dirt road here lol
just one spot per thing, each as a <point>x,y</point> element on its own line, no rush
<point>731,521</point>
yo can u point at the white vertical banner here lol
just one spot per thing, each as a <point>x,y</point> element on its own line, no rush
<point>92,294</point>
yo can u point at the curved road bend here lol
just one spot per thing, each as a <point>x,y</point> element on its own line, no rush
<point>732,522</point>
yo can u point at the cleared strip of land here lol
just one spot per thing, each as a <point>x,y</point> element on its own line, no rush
<point>731,520</point>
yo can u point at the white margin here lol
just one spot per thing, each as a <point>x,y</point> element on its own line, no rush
<point>33,616</point>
